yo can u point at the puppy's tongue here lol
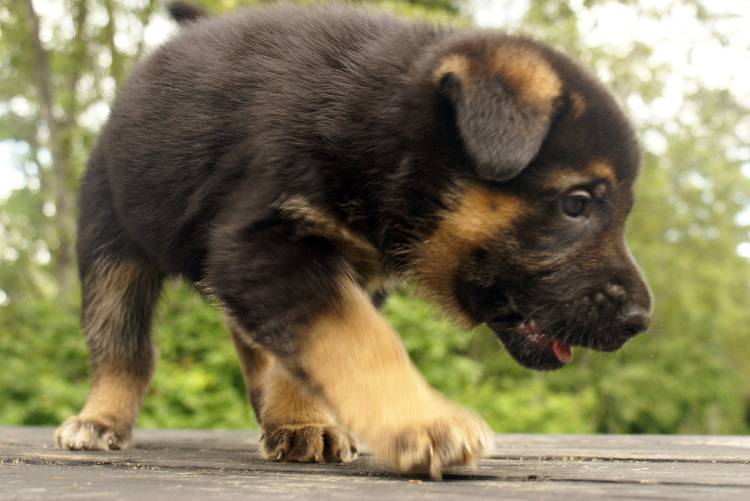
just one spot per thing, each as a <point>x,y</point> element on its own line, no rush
<point>561,351</point>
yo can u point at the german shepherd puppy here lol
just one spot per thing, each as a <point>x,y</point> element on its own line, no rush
<point>297,163</point>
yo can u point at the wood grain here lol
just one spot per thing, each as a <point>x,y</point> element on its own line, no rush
<point>186,465</point>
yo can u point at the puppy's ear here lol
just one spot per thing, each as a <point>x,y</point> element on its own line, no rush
<point>502,115</point>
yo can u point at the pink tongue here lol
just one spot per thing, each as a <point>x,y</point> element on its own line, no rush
<point>561,351</point>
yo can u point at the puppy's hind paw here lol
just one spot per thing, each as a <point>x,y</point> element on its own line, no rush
<point>308,443</point>
<point>90,435</point>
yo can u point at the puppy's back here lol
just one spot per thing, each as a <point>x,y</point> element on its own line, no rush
<point>277,82</point>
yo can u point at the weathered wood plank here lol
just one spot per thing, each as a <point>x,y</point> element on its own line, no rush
<point>44,482</point>
<point>196,464</point>
<point>652,447</point>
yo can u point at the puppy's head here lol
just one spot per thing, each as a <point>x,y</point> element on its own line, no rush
<point>532,239</point>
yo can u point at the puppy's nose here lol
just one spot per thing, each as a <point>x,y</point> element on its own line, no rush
<point>635,319</point>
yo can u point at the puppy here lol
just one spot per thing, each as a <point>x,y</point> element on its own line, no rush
<point>297,163</point>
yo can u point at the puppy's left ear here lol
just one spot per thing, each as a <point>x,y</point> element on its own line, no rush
<point>503,116</point>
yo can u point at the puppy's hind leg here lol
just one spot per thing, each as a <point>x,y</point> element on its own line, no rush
<point>118,297</point>
<point>296,425</point>
<point>120,287</point>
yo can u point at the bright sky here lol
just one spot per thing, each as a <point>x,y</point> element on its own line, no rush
<point>10,178</point>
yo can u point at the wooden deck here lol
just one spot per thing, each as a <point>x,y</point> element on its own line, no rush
<point>186,465</point>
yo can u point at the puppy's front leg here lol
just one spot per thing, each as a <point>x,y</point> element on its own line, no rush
<point>297,298</point>
<point>354,359</point>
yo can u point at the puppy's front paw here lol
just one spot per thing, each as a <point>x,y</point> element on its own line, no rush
<point>308,443</point>
<point>458,437</point>
<point>91,435</point>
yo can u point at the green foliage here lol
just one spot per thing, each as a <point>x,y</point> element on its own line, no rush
<point>690,374</point>
<point>44,362</point>
<point>45,375</point>
<point>198,383</point>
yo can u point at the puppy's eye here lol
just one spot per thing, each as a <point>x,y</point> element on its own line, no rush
<point>577,204</point>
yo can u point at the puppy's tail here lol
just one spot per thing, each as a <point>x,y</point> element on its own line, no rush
<point>184,13</point>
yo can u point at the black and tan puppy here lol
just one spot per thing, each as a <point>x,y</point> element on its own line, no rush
<point>298,162</point>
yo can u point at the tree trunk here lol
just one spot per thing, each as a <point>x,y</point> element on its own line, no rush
<point>59,143</point>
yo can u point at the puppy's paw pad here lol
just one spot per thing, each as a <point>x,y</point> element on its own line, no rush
<point>308,443</point>
<point>429,448</point>
<point>90,435</point>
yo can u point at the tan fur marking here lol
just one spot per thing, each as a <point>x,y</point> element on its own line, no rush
<point>296,424</point>
<point>363,256</point>
<point>114,399</point>
<point>118,380</point>
<point>107,286</point>
<point>254,361</point>
<point>578,104</point>
<point>530,75</point>
<point>563,178</point>
<point>115,394</point>
<point>283,401</point>
<point>602,170</point>
<point>106,421</point>
<point>353,347</point>
<point>362,369</point>
<point>455,63</point>
<point>478,215</point>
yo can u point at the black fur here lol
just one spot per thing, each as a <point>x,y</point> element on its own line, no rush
<point>185,13</point>
<point>337,106</point>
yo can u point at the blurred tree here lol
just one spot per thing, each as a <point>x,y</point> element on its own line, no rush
<point>55,74</point>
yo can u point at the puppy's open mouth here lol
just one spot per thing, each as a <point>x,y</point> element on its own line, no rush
<point>528,344</point>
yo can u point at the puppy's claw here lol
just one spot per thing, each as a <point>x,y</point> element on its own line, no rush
<point>308,443</point>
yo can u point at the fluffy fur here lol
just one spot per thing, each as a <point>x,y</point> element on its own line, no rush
<point>297,162</point>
